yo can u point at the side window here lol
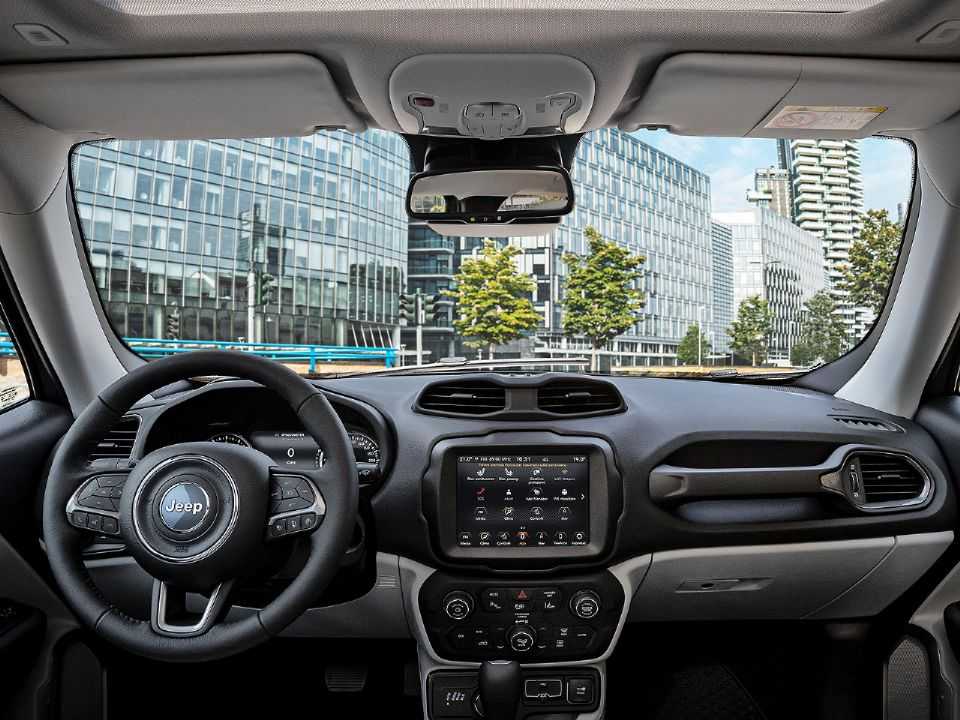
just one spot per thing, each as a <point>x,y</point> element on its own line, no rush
<point>14,383</point>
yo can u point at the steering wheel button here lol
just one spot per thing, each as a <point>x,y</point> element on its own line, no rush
<point>78,518</point>
<point>293,524</point>
<point>109,526</point>
<point>306,493</point>
<point>308,521</point>
<point>111,481</point>
<point>286,493</point>
<point>94,521</point>
<point>97,503</point>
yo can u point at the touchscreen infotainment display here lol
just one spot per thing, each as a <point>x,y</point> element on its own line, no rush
<point>522,500</point>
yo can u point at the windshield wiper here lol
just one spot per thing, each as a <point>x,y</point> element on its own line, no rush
<point>462,365</point>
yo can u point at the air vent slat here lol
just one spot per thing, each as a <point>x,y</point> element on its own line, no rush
<point>890,479</point>
<point>579,397</point>
<point>477,398</point>
<point>118,442</point>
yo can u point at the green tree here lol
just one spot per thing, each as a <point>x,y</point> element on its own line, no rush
<point>873,256</point>
<point>600,300</point>
<point>750,332</point>
<point>822,332</point>
<point>493,303</point>
<point>687,351</point>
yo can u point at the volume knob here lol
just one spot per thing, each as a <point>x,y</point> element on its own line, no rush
<point>458,605</point>
<point>585,604</point>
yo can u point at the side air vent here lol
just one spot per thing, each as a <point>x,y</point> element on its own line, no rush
<point>576,397</point>
<point>864,423</point>
<point>885,481</point>
<point>464,398</point>
<point>118,442</point>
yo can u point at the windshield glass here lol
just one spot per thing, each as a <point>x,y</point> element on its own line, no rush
<point>683,256</point>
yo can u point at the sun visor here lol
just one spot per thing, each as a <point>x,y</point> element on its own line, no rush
<point>261,95</point>
<point>773,96</point>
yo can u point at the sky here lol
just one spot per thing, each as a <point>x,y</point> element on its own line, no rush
<point>887,166</point>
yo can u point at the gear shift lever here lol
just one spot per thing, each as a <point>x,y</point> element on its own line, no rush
<point>500,689</point>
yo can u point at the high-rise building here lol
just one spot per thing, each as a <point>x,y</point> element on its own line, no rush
<point>771,188</point>
<point>633,194</point>
<point>316,224</point>
<point>779,262</point>
<point>721,241</point>
<point>828,201</point>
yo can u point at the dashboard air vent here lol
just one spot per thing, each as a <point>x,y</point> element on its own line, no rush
<point>864,423</point>
<point>890,479</point>
<point>464,398</point>
<point>881,481</point>
<point>578,397</point>
<point>118,442</point>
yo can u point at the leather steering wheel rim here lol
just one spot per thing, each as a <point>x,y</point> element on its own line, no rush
<point>327,543</point>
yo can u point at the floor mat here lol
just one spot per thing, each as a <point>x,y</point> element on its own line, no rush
<point>705,692</point>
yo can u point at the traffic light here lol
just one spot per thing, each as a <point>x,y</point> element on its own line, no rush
<point>429,307</point>
<point>408,308</point>
<point>173,325</point>
<point>266,288</point>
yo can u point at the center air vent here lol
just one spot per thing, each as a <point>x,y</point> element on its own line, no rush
<point>464,398</point>
<point>578,397</point>
<point>118,442</point>
<point>885,481</point>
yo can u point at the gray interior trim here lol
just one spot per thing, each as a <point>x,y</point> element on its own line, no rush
<point>836,579</point>
<point>43,259</point>
<point>924,309</point>
<point>181,97</point>
<point>916,95</point>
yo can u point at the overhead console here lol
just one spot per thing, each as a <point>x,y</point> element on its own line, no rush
<point>491,97</point>
<point>793,96</point>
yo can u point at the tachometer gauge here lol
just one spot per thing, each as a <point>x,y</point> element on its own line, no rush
<point>230,438</point>
<point>365,448</point>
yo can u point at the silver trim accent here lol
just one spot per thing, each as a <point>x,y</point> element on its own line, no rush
<point>185,560</point>
<point>201,625</point>
<point>833,481</point>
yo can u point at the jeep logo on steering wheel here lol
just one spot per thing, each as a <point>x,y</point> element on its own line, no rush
<point>184,506</point>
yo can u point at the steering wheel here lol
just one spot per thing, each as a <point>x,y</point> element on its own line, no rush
<point>199,516</point>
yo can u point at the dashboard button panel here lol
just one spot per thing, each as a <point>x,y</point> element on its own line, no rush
<point>472,619</point>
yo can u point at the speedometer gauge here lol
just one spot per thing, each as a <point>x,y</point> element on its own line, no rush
<point>230,438</point>
<point>365,448</point>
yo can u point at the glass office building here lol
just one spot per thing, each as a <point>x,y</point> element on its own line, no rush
<point>183,235</point>
<point>779,262</point>
<point>633,194</point>
<point>723,308</point>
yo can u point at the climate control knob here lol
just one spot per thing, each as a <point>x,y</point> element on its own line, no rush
<point>458,605</point>
<point>521,638</point>
<point>585,604</point>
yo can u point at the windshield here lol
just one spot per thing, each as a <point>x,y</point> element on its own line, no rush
<point>683,256</point>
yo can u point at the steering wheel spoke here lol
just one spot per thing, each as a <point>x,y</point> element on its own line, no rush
<point>95,505</point>
<point>168,610</point>
<point>297,506</point>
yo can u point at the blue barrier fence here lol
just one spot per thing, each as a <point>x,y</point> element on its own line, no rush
<point>313,355</point>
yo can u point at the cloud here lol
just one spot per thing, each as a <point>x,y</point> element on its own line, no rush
<point>728,188</point>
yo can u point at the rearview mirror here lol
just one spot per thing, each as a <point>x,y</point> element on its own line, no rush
<point>490,195</point>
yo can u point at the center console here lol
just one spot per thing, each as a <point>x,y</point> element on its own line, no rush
<point>522,522</point>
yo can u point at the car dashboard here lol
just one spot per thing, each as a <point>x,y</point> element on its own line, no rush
<point>531,517</point>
